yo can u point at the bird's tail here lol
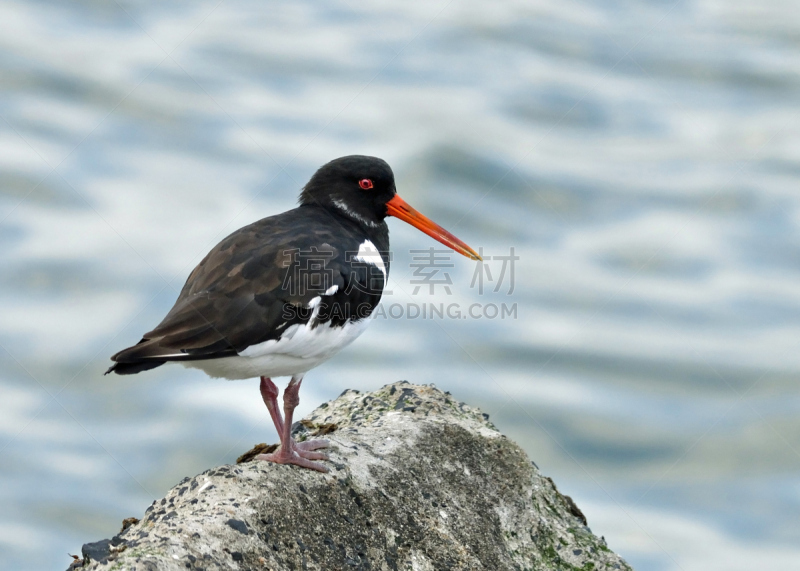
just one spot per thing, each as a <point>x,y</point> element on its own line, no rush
<point>134,360</point>
<point>133,368</point>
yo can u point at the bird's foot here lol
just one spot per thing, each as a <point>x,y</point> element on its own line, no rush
<point>297,456</point>
<point>290,452</point>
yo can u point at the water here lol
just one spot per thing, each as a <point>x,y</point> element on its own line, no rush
<point>640,158</point>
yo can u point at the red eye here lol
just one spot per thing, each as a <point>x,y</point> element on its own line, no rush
<point>365,183</point>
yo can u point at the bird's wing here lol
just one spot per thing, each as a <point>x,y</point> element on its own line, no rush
<point>250,288</point>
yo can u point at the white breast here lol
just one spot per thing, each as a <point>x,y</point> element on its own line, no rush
<point>299,350</point>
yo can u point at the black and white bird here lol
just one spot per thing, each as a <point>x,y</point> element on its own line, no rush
<point>285,294</point>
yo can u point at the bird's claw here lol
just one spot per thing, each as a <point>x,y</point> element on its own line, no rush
<point>311,444</point>
<point>305,449</point>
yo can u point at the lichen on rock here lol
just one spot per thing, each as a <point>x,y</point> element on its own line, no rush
<point>417,481</point>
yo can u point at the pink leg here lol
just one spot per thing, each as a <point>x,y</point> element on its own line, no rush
<point>290,452</point>
<point>291,398</point>
<point>269,392</point>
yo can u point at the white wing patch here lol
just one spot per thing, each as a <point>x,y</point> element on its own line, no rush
<point>367,252</point>
<point>314,303</point>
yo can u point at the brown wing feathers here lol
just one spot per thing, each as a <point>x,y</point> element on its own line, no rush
<point>234,298</point>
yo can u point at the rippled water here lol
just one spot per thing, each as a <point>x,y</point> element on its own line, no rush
<point>641,158</point>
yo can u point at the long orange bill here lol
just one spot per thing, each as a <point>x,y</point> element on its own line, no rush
<point>399,208</point>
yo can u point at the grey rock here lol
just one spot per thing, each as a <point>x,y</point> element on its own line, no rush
<point>418,481</point>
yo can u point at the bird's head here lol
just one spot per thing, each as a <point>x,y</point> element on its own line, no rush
<point>362,188</point>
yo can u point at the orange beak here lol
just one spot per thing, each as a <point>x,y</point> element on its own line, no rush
<point>399,208</point>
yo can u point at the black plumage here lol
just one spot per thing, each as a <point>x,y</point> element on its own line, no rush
<point>259,281</point>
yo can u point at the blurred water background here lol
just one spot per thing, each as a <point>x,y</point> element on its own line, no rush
<point>642,159</point>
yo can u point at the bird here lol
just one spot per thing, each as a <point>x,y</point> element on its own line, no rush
<point>286,293</point>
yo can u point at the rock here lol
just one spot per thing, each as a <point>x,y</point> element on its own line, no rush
<point>418,481</point>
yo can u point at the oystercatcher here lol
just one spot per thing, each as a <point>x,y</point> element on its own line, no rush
<point>284,294</point>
